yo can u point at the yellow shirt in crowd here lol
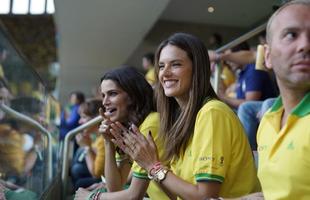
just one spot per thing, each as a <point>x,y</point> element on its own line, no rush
<point>12,155</point>
<point>100,156</point>
<point>284,153</point>
<point>150,76</point>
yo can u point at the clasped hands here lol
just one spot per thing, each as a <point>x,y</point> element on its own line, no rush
<point>141,149</point>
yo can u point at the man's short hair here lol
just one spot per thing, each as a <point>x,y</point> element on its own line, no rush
<point>271,19</point>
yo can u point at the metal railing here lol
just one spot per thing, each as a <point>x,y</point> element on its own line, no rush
<point>21,117</point>
<point>245,37</point>
<point>65,163</point>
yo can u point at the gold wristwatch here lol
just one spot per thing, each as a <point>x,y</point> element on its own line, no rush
<point>159,175</point>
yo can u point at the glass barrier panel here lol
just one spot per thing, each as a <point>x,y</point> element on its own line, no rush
<point>23,157</point>
<point>23,148</point>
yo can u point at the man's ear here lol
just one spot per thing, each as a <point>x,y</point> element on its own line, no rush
<point>267,56</point>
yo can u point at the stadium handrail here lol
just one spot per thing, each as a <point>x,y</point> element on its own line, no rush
<point>234,43</point>
<point>68,138</point>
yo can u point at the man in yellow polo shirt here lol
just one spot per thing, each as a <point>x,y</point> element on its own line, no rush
<point>284,133</point>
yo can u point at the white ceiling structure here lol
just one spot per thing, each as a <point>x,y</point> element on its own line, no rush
<point>96,35</point>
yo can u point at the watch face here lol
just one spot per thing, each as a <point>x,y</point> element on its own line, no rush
<point>161,175</point>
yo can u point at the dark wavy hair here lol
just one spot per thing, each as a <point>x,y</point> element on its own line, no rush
<point>176,125</point>
<point>138,90</point>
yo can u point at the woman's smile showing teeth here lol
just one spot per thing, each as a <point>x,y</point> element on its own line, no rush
<point>115,101</point>
<point>170,83</point>
<point>110,111</point>
<point>174,72</point>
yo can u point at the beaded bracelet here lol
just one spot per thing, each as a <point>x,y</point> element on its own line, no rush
<point>90,196</point>
<point>94,195</point>
<point>155,168</point>
<point>97,195</point>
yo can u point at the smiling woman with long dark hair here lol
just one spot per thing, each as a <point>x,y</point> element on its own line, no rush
<point>127,98</point>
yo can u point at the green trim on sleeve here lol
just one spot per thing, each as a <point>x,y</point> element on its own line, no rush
<point>140,175</point>
<point>208,177</point>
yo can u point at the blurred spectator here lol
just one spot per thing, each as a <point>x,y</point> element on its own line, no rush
<point>88,161</point>
<point>228,76</point>
<point>70,115</point>
<point>241,54</point>
<point>252,84</point>
<point>215,41</point>
<point>17,157</point>
<point>148,66</point>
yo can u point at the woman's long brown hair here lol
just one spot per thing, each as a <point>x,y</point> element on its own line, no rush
<point>176,125</point>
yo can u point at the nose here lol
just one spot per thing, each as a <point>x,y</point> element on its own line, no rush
<point>166,70</point>
<point>105,101</point>
<point>304,43</point>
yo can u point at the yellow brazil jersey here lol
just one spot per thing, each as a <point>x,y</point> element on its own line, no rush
<point>218,151</point>
<point>151,123</point>
<point>284,153</point>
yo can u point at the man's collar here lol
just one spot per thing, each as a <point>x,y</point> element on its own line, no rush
<point>301,110</point>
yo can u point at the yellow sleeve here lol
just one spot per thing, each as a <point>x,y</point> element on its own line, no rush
<point>139,172</point>
<point>211,146</point>
<point>100,157</point>
<point>151,123</point>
